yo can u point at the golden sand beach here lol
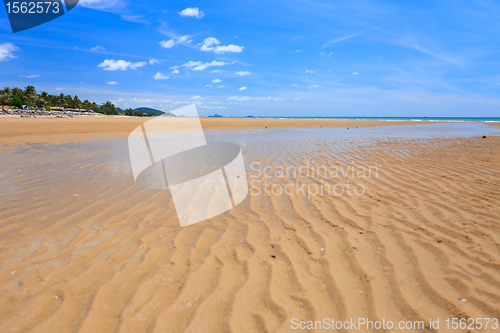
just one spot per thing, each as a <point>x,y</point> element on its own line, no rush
<point>83,249</point>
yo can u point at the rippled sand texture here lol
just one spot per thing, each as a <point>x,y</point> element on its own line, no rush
<point>82,249</point>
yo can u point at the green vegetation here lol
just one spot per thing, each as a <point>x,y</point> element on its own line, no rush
<point>18,97</point>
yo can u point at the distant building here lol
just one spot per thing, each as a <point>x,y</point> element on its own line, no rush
<point>215,116</point>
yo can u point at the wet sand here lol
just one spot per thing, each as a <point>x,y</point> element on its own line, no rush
<point>15,130</point>
<point>83,249</point>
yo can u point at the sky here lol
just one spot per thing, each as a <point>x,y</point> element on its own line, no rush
<point>267,58</point>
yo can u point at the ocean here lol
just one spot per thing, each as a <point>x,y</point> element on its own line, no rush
<point>430,119</point>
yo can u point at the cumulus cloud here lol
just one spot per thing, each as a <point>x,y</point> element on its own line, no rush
<point>199,66</point>
<point>6,50</point>
<point>211,44</point>
<point>154,61</point>
<point>310,71</point>
<point>313,86</point>
<point>168,44</point>
<point>30,76</point>
<point>241,73</point>
<point>122,65</point>
<point>112,83</point>
<point>228,48</point>
<point>243,88</point>
<point>216,80</point>
<point>262,98</point>
<point>97,48</point>
<point>160,76</point>
<point>175,71</point>
<point>192,12</point>
<point>216,71</point>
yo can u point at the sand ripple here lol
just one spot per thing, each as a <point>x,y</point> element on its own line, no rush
<point>82,249</point>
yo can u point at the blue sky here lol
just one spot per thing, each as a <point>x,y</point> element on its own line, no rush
<point>268,58</point>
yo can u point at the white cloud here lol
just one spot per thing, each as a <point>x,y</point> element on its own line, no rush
<point>183,40</point>
<point>243,88</point>
<point>6,50</point>
<point>310,72</point>
<point>167,44</point>
<point>229,48</point>
<point>97,48</point>
<point>333,41</point>
<point>101,4</point>
<point>135,19</point>
<point>160,76</point>
<point>112,83</point>
<point>199,66</point>
<point>192,12</point>
<point>208,44</point>
<point>325,54</point>
<point>122,65</point>
<point>154,61</point>
<point>30,76</point>
<point>262,98</point>
<point>208,85</point>
<point>216,80</point>
<point>211,44</point>
<point>175,71</point>
<point>196,97</point>
<point>236,98</point>
<point>241,73</point>
<point>313,86</point>
<point>355,73</point>
<point>216,71</point>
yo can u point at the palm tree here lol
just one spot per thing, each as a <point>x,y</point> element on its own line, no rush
<point>60,100</point>
<point>7,91</point>
<point>76,103</point>
<point>30,95</point>
<point>18,92</point>
<point>4,98</point>
<point>68,101</point>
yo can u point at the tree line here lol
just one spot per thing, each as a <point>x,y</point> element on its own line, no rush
<point>18,97</point>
